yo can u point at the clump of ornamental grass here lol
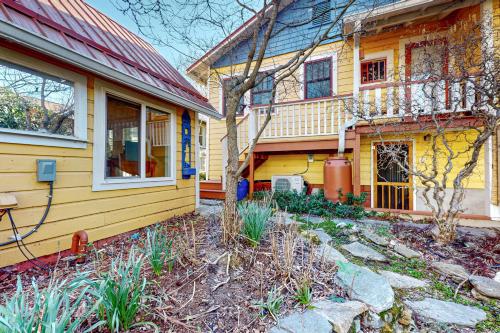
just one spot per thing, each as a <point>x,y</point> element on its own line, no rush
<point>158,250</point>
<point>271,305</point>
<point>61,307</point>
<point>254,216</point>
<point>122,290</point>
<point>304,295</point>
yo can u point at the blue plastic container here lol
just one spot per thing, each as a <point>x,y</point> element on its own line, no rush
<point>242,190</point>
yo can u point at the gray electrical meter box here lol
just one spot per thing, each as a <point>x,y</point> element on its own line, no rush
<point>46,170</point>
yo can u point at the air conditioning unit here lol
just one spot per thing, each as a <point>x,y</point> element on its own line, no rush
<point>287,183</point>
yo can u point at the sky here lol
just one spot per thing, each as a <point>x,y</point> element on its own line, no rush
<point>107,7</point>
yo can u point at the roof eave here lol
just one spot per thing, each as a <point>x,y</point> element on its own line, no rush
<point>33,41</point>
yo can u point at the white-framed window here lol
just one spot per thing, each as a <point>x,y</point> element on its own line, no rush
<point>41,104</point>
<point>134,141</point>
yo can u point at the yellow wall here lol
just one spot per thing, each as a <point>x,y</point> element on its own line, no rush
<point>393,41</point>
<point>75,206</point>
<point>422,150</point>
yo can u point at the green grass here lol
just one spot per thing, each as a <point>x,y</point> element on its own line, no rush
<point>255,216</point>
<point>272,305</point>
<point>304,295</point>
<point>122,290</point>
<point>413,267</point>
<point>158,250</point>
<point>51,310</point>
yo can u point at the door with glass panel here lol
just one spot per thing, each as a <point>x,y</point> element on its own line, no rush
<point>391,181</point>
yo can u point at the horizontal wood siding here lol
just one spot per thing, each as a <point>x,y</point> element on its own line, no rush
<point>75,206</point>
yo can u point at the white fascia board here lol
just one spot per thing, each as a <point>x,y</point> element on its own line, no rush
<point>41,44</point>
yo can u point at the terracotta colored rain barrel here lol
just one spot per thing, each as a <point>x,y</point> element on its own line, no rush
<point>337,176</point>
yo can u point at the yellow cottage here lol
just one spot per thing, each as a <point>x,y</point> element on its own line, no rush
<point>97,129</point>
<point>371,70</point>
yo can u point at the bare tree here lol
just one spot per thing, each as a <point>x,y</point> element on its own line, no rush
<point>451,94</point>
<point>188,26</point>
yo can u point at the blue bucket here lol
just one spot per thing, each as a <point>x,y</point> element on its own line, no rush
<point>242,190</point>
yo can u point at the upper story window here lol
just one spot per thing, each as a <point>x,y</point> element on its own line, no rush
<point>33,101</point>
<point>373,71</point>
<point>262,93</point>
<point>318,78</point>
<point>321,13</point>
<point>241,105</point>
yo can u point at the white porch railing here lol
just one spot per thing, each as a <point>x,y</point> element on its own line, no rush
<point>305,118</point>
<point>391,100</point>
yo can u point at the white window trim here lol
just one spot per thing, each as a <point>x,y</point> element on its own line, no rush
<point>323,55</point>
<point>388,55</point>
<point>79,140</point>
<point>99,181</point>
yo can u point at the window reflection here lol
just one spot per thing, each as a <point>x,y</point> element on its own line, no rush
<point>123,136</point>
<point>34,101</point>
<point>158,145</point>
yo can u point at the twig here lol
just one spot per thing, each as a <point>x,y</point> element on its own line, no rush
<point>175,321</point>
<point>228,261</point>
<point>191,298</point>
<point>221,284</point>
<point>201,314</point>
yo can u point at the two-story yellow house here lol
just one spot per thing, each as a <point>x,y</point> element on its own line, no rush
<point>315,111</point>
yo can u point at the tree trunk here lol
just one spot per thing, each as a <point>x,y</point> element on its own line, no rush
<point>445,230</point>
<point>230,221</point>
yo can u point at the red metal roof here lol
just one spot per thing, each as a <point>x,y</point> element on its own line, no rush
<point>77,26</point>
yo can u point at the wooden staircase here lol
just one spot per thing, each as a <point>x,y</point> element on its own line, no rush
<point>212,189</point>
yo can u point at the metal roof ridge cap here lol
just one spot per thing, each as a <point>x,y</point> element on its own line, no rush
<point>91,65</point>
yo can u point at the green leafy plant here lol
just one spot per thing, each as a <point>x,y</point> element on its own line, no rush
<point>272,304</point>
<point>303,294</point>
<point>158,250</point>
<point>255,216</point>
<point>51,310</point>
<point>316,204</point>
<point>122,292</point>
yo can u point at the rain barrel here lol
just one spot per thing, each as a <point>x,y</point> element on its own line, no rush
<point>337,176</point>
<point>242,190</point>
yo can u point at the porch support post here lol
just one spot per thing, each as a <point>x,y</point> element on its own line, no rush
<point>251,169</point>
<point>197,159</point>
<point>356,82</point>
<point>357,165</point>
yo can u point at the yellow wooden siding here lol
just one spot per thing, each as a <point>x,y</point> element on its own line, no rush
<point>75,206</point>
<point>422,150</point>
<point>380,42</point>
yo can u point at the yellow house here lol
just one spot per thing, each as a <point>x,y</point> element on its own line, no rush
<point>97,129</point>
<point>316,112</point>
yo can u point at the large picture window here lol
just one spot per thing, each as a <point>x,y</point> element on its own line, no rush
<point>262,93</point>
<point>40,103</point>
<point>318,80</point>
<point>138,143</point>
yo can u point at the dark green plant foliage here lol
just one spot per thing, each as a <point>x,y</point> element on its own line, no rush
<point>122,292</point>
<point>255,216</point>
<point>317,204</point>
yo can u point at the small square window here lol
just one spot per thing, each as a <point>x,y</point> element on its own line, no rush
<point>373,71</point>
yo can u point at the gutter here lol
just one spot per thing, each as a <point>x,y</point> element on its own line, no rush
<point>33,41</point>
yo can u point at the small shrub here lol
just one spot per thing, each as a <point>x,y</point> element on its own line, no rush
<point>272,304</point>
<point>255,216</point>
<point>122,292</point>
<point>53,309</point>
<point>158,250</point>
<point>317,204</point>
<point>304,295</point>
